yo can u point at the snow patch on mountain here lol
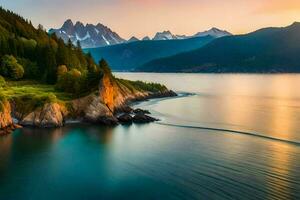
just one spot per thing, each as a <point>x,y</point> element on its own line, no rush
<point>91,36</point>
<point>88,35</point>
<point>214,32</point>
<point>165,35</point>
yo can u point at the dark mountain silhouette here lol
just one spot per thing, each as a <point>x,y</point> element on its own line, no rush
<point>128,56</point>
<point>267,50</point>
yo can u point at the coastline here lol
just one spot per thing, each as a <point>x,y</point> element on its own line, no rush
<point>54,115</point>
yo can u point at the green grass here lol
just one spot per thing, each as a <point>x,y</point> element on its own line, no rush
<point>29,95</point>
<point>142,86</point>
<point>15,89</point>
<point>2,100</point>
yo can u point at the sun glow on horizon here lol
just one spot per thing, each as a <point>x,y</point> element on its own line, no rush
<point>144,17</point>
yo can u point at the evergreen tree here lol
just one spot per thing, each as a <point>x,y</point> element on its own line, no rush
<point>50,65</point>
<point>104,66</point>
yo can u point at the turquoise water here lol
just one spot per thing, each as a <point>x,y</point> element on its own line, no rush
<point>235,137</point>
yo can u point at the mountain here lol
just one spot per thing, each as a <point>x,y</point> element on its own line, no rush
<point>92,36</point>
<point>88,35</point>
<point>165,35</point>
<point>264,51</point>
<point>146,38</point>
<point>214,32</point>
<point>133,39</point>
<point>127,56</point>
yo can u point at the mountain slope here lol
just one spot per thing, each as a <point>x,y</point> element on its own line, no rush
<point>127,56</point>
<point>165,35</point>
<point>88,35</point>
<point>265,50</point>
<point>214,32</point>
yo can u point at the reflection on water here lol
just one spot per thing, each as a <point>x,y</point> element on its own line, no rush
<point>265,104</point>
<point>157,161</point>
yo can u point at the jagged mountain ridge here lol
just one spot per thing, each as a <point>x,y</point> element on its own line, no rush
<point>92,36</point>
<point>213,32</point>
<point>88,35</point>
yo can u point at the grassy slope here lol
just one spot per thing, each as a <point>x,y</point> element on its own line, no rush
<point>30,95</point>
<point>20,88</point>
<point>142,86</point>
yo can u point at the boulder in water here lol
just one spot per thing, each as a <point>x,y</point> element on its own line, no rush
<point>125,119</point>
<point>107,120</point>
<point>141,111</point>
<point>141,118</point>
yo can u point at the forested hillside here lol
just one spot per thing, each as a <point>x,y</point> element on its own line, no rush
<point>30,53</point>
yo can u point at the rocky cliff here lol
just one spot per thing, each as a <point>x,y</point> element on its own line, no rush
<point>6,121</point>
<point>50,115</point>
<point>114,94</point>
<point>100,107</point>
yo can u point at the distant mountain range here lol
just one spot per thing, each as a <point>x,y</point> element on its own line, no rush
<point>263,51</point>
<point>214,32</point>
<point>88,35</point>
<point>167,35</point>
<point>128,56</point>
<point>91,36</point>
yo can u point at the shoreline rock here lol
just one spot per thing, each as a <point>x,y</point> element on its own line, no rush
<point>141,118</point>
<point>9,129</point>
<point>51,115</point>
<point>125,118</point>
<point>140,111</point>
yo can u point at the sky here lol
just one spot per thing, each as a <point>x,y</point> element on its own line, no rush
<point>146,17</point>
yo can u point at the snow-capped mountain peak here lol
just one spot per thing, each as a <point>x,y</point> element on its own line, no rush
<point>99,35</point>
<point>165,35</point>
<point>214,32</point>
<point>88,35</point>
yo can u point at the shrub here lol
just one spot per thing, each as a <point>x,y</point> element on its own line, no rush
<point>31,70</point>
<point>2,81</point>
<point>143,86</point>
<point>11,68</point>
<point>104,67</point>
<point>61,70</point>
<point>78,83</point>
<point>2,100</point>
<point>70,82</point>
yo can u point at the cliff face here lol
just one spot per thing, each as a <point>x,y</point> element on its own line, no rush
<point>50,115</point>
<point>5,115</point>
<point>6,122</point>
<point>114,95</point>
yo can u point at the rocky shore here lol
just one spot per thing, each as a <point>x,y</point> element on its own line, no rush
<point>109,106</point>
<point>6,122</point>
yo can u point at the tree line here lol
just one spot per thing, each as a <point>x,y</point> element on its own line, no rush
<point>27,52</point>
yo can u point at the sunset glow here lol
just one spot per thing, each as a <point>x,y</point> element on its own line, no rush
<point>145,17</point>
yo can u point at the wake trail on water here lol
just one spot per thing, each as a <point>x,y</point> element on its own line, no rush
<point>231,131</point>
<point>186,94</point>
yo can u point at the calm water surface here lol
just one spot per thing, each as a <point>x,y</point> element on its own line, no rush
<point>235,137</point>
